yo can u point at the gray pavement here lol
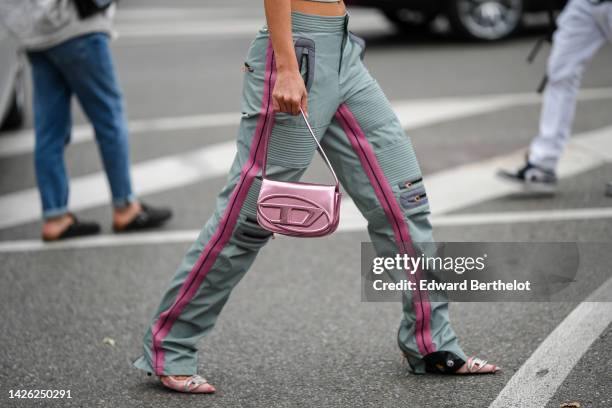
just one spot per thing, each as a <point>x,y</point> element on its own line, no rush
<point>291,336</point>
<point>590,370</point>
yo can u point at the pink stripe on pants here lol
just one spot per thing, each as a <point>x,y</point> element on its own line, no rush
<point>392,210</point>
<point>223,233</point>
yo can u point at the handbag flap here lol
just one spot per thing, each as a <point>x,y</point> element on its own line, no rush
<point>297,208</point>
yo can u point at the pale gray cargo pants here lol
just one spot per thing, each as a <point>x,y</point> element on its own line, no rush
<point>374,160</point>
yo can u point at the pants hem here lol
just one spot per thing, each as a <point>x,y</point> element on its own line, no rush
<point>123,202</point>
<point>54,213</point>
<point>546,162</point>
<point>143,364</point>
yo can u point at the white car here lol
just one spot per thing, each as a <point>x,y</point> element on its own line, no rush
<point>12,84</point>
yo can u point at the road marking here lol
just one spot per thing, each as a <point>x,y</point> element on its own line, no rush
<point>21,142</point>
<point>536,382</point>
<point>511,217</point>
<point>412,113</point>
<point>351,221</point>
<point>150,177</point>
<point>100,241</point>
<point>462,186</point>
<point>445,193</point>
<point>466,185</point>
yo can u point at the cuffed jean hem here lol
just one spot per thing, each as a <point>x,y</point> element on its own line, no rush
<point>54,213</point>
<point>124,201</point>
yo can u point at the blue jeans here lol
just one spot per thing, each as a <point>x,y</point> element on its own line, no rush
<point>81,66</point>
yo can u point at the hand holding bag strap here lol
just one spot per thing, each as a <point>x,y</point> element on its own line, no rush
<point>319,148</point>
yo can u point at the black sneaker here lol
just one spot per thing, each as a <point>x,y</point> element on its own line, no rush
<point>532,179</point>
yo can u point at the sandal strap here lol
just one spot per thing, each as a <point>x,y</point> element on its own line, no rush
<point>194,382</point>
<point>475,364</point>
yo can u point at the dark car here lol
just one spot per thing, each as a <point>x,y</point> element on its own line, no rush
<point>486,20</point>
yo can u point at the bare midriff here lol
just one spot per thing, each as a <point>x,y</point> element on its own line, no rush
<point>321,9</point>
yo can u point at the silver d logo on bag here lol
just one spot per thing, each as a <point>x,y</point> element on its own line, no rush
<point>291,214</point>
<point>299,209</point>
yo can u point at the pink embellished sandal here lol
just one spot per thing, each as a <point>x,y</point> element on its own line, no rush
<point>194,384</point>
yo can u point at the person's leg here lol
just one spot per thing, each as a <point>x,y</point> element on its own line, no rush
<point>87,65</point>
<point>603,17</point>
<point>575,42</point>
<point>52,125</point>
<point>376,163</point>
<point>231,238</point>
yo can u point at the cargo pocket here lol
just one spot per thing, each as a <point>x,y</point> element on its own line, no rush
<point>413,198</point>
<point>305,54</point>
<point>411,195</point>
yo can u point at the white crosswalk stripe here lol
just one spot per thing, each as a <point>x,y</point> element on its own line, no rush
<point>445,191</point>
<point>413,113</point>
<point>350,225</point>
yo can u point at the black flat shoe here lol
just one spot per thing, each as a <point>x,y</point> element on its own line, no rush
<point>77,229</point>
<point>148,217</point>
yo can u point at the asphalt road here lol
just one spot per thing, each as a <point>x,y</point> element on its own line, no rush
<point>295,332</point>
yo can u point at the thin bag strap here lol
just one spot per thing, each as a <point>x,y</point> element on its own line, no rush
<point>319,148</point>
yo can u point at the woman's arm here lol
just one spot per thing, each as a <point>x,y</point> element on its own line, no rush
<point>289,91</point>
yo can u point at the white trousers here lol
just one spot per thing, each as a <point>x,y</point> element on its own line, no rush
<point>583,28</point>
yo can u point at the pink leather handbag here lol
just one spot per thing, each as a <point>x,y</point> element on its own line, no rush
<point>295,208</point>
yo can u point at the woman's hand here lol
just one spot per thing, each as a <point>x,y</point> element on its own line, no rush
<point>289,92</point>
